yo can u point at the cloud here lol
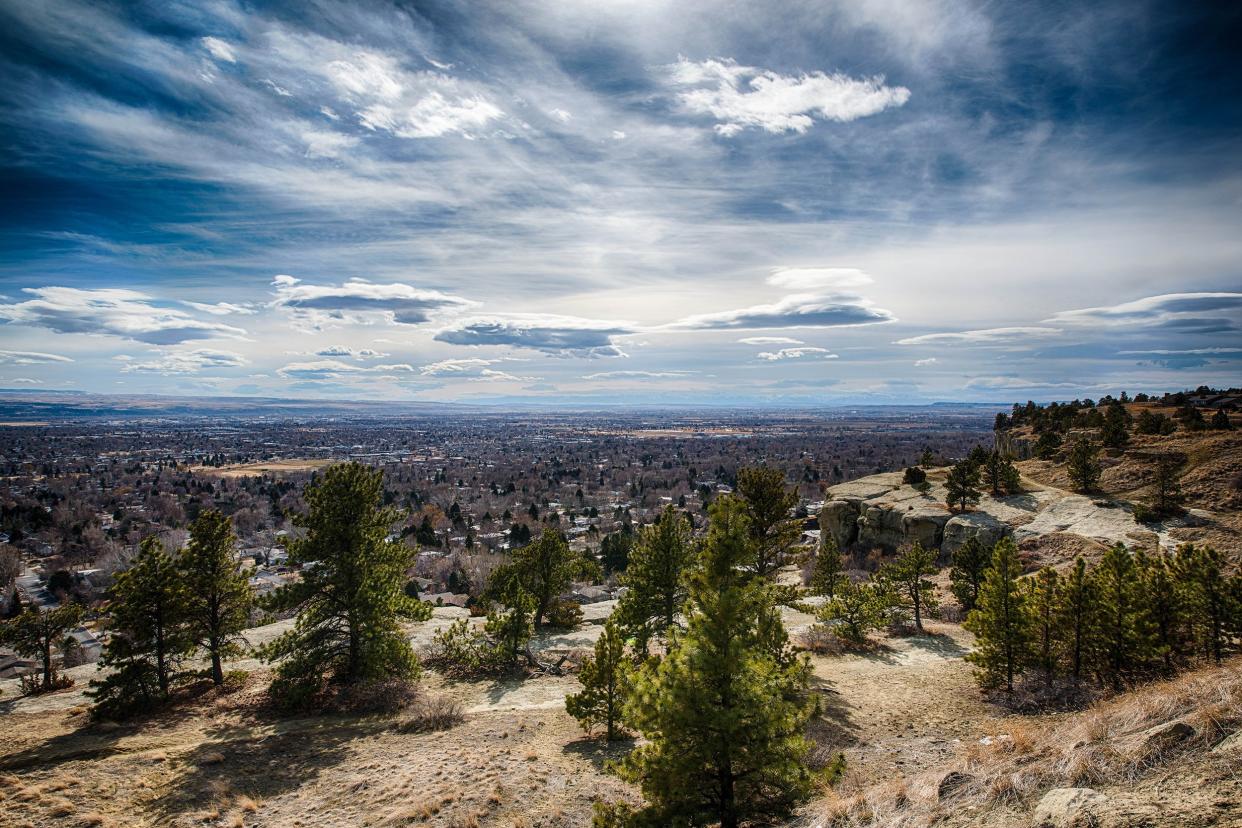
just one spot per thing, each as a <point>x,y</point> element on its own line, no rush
<point>472,369</point>
<point>30,358</point>
<point>346,351</point>
<point>986,336</point>
<point>332,369</point>
<point>638,375</point>
<point>1194,311</point>
<point>1186,351</point>
<point>739,97</point>
<point>818,278</point>
<point>550,333</point>
<point>222,308</point>
<point>796,353</point>
<point>127,314</point>
<point>358,301</point>
<point>1010,383</point>
<point>184,362</point>
<point>219,49</point>
<point>769,340</point>
<point>923,363</point>
<point>325,143</point>
<point>800,310</point>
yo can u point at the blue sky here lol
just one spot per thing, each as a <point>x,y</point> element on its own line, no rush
<point>621,201</point>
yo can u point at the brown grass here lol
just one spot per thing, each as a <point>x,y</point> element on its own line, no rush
<point>1115,741</point>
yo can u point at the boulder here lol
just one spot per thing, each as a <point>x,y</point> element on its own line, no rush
<point>1231,744</point>
<point>1069,808</point>
<point>981,526</point>
<point>840,519</point>
<point>1155,742</point>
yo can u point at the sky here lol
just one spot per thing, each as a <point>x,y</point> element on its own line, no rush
<point>621,202</point>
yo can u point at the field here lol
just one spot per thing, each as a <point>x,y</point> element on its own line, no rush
<point>272,467</point>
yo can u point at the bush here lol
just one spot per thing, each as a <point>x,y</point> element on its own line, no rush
<point>1145,514</point>
<point>564,614</point>
<point>379,697</point>
<point>914,476</point>
<point>428,714</point>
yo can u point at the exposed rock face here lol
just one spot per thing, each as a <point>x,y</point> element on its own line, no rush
<point>1069,808</point>
<point>1013,445</point>
<point>985,528</point>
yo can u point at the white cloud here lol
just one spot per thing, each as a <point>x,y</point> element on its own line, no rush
<point>986,336</point>
<point>799,310</point>
<point>456,367</point>
<point>127,314</point>
<point>561,115</point>
<point>333,369</point>
<point>1186,351</point>
<point>797,353</point>
<point>923,363</point>
<point>1010,383</point>
<point>326,143</point>
<point>346,351</point>
<point>818,278</point>
<point>550,333</point>
<point>739,97</point>
<point>769,340</point>
<point>184,362</point>
<point>638,375</point>
<point>1189,312</point>
<point>219,49</point>
<point>358,301</point>
<point>30,358</point>
<point>222,308</point>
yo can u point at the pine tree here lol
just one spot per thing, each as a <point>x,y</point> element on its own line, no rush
<point>1220,420</point>
<point>1212,608</point>
<point>39,634</point>
<point>857,609</point>
<point>1166,490</point>
<point>1124,636</point>
<point>828,572</point>
<point>1162,602</point>
<point>1042,606</point>
<point>350,598</point>
<point>1000,622</point>
<point>769,506</point>
<point>970,565</point>
<point>510,628</point>
<point>1082,466</point>
<point>656,579</point>
<point>911,589</point>
<point>1076,622</point>
<point>1001,475</point>
<point>218,596</point>
<point>723,717</point>
<point>1115,434</point>
<point>544,569</point>
<point>605,685</point>
<point>961,486</point>
<point>149,637</point>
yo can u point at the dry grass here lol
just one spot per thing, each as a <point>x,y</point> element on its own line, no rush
<point>1113,742</point>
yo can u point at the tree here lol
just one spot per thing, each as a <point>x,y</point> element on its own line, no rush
<point>656,578</point>
<point>1115,433</point>
<point>1042,606</point>
<point>510,629</point>
<point>1124,637</point>
<point>39,634</point>
<point>218,596</point>
<point>768,505</point>
<point>1001,474</point>
<point>1083,467</point>
<point>723,717</point>
<point>970,565</point>
<point>905,575</point>
<point>961,486</point>
<point>1076,607</point>
<point>605,684</point>
<point>827,573</point>
<point>927,459</point>
<point>149,637</point>
<point>999,622</point>
<point>858,609</point>
<point>350,598</point>
<point>913,476</point>
<point>1166,489</point>
<point>544,569</point>
<point>614,550</point>
<point>1162,600</point>
<point>1212,607</point>
<point>1220,420</point>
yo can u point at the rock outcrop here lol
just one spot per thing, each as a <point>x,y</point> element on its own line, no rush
<point>1069,808</point>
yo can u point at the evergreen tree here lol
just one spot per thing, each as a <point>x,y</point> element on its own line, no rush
<point>39,634</point>
<point>510,628</point>
<point>1115,434</point>
<point>1042,606</point>
<point>614,550</point>
<point>1001,475</point>
<point>1076,606</point>
<point>605,684</point>
<point>828,572</point>
<point>723,717</point>
<point>218,596</point>
<point>1166,490</point>
<point>149,637</point>
<point>857,609</point>
<point>999,621</point>
<point>1212,607</point>
<point>769,506</point>
<point>909,587</point>
<point>927,459</point>
<point>350,598</point>
<point>961,486</point>
<point>1082,465</point>
<point>656,578</point>
<point>1162,601</point>
<point>1220,420</point>
<point>1124,637</point>
<point>970,565</point>
<point>543,569</point>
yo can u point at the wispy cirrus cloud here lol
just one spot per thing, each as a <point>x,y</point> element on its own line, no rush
<point>820,279</point>
<point>741,97</point>
<point>126,314</point>
<point>985,336</point>
<point>30,358</point>
<point>603,375</point>
<point>769,340</point>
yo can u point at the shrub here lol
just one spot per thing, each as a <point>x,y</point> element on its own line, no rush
<point>564,614</point>
<point>913,476</point>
